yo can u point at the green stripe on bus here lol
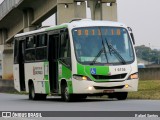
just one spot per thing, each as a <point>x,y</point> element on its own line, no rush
<point>65,73</point>
<point>69,83</point>
<point>46,77</point>
<point>47,87</point>
<point>86,70</point>
<point>56,27</point>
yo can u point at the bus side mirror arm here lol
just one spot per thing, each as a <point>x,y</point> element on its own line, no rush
<point>132,36</point>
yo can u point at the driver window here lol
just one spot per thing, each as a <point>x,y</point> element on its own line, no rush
<point>65,50</point>
<point>65,46</point>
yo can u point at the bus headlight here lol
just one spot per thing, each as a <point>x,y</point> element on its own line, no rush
<point>90,88</point>
<point>81,77</point>
<point>133,76</point>
<point>126,85</point>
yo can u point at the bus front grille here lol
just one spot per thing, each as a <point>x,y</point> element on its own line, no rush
<point>114,87</point>
<point>119,76</point>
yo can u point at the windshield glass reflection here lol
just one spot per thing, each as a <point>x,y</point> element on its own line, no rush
<point>105,45</point>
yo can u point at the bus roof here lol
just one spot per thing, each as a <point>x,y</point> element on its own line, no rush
<point>75,24</point>
<point>88,22</point>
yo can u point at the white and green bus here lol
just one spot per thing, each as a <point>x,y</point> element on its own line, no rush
<point>75,60</point>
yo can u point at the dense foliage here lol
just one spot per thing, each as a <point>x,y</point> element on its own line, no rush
<point>146,53</point>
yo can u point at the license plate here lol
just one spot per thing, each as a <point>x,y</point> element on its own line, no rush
<point>108,91</point>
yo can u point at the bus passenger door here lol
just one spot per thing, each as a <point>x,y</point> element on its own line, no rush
<point>21,65</point>
<point>53,62</point>
<point>19,79</point>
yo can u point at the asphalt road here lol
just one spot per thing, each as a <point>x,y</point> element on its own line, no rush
<point>11,102</point>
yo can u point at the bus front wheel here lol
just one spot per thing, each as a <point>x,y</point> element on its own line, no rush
<point>65,94</point>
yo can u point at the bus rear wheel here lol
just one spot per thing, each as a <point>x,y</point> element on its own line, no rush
<point>32,94</point>
<point>121,95</point>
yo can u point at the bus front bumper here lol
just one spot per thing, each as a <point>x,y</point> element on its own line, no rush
<point>91,87</point>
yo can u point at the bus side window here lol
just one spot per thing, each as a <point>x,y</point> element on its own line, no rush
<point>30,49</point>
<point>41,47</point>
<point>65,50</point>
<point>30,43</point>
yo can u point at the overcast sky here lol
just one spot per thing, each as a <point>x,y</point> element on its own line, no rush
<point>143,16</point>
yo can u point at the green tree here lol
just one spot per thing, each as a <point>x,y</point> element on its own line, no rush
<point>146,53</point>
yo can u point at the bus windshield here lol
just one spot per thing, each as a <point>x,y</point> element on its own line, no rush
<point>102,45</point>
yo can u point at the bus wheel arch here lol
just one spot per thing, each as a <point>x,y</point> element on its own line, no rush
<point>30,82</point>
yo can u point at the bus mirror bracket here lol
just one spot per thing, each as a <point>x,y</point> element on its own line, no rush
<point>132,36</point>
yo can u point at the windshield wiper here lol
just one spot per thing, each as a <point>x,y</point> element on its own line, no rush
<point>100,52</point>
<point>108,46</point>
<point>94,60</point>
<point>112,50</point>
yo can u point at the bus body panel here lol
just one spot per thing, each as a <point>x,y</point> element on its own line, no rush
<point>65,73</point>
<point>104,71</point>
<point>16,77</point>
<point>82,86</point>
<point>87,87</point>
<point>37,72</point>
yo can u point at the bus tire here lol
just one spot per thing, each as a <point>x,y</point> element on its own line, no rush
<point>111,95</point>
<point>121,95</point>
<point>65,94</point>
<point>32,94</point>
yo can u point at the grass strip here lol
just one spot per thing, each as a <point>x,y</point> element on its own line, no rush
<point>147,89</point>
